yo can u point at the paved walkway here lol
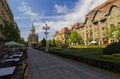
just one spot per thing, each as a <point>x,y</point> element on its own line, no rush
<point>46,66</point>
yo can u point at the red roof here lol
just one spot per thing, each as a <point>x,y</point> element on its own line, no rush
<point>64,30</point>
<point>105,7</point>
<point>76,25</point>
<point>81,24</point>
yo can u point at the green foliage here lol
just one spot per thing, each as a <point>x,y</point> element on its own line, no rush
<point>90,56</point>
<point>92,46</point>
<point>43,42</point>
<point>22,41</point>
<point>113,32</point>
<point>50,42</point>
<point>9,32</point>
<point>58,42</point>
<point>81,41</point>
<point>106,56</point>
<point>111,57</point>
<point>74,37</point>
<point>54,42</point>
<point>112,48</point>
<point>89,40</point>
<point>116,55</point>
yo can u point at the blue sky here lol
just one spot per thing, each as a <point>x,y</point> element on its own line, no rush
<point>56,13</point>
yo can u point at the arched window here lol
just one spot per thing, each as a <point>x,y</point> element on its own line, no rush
<point>118,17</point>
<point>112,19</point>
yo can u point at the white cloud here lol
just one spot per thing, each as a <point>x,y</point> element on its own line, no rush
<point>77,14</point>
<point>96,3</point>
<point>60,8</point>
<point>27,11</point>
<point>80,10</point>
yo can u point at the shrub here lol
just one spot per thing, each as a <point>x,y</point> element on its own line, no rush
<point>112,48</point>
<point>107,65</point>
<point>106,57</point>
<point>116,55</point>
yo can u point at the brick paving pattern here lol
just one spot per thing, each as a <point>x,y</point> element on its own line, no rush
<point>46,66</point>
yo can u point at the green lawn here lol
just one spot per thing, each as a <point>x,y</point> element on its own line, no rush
<point>94,53</point>
<point>91,56</point>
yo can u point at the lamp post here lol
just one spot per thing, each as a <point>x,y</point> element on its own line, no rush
<point>46,28</point>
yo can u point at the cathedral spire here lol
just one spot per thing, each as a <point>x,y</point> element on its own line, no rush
<point>32,31</point>
<point>33,27</point>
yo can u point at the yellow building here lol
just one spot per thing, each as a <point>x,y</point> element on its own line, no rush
<point>97,21</point>
<point>79,27</point>
<point>61,36</point>
<point>101,18</point>
<point>33,38</point>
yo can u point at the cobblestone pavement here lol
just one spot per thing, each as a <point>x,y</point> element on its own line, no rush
<point>46,66</point>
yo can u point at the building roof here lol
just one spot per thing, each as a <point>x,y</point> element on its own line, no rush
<point>78,25</point>
<point>81,24</point>
<point>105,7</point>
<point>64,30</point>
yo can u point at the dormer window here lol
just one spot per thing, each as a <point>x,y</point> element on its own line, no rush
<point>103,20</point>
<point>95,23</point>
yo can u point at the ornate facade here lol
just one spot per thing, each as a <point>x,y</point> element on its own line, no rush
<point>101,18</point>
<point>97,21</point>
<point>33,38</point>
<point>61,36</point>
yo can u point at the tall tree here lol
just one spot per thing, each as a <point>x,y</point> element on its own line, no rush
<point>43,42</point>
<point>74,37</point>
<point>9,32</point>
<point>113,32</point>
<point>50,42</point>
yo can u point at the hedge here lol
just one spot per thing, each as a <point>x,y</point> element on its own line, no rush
<point>107,65</point>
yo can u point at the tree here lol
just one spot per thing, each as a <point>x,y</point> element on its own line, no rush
<point>58,42</point>
<point>50,42</point>
<point>54,42</point>
<point>43,42</point>
<point>21,40</point>
<point>73,38</point>
<point>9,32</point>
<point>113,32</point>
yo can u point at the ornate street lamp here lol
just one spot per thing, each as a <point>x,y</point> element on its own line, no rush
<point>46,28</point>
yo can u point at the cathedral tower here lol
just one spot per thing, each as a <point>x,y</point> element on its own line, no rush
<point>33,38</point>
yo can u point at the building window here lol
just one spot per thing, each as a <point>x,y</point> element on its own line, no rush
<point>103,34</point>
<point>91,33</point>
<point>86,27</point>
<point>118,17</point>
<point>112,19</point>
<point>90,26</point>
<point>103,20</point>
<point>111,25</point>
<point>95,29</point>
<point>103,28</point>
<point>95,23</point>
<point>119,24</point>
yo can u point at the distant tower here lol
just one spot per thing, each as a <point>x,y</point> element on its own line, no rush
<point>33,38</point>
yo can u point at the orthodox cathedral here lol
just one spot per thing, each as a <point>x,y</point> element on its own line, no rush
<point>33,38</point>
